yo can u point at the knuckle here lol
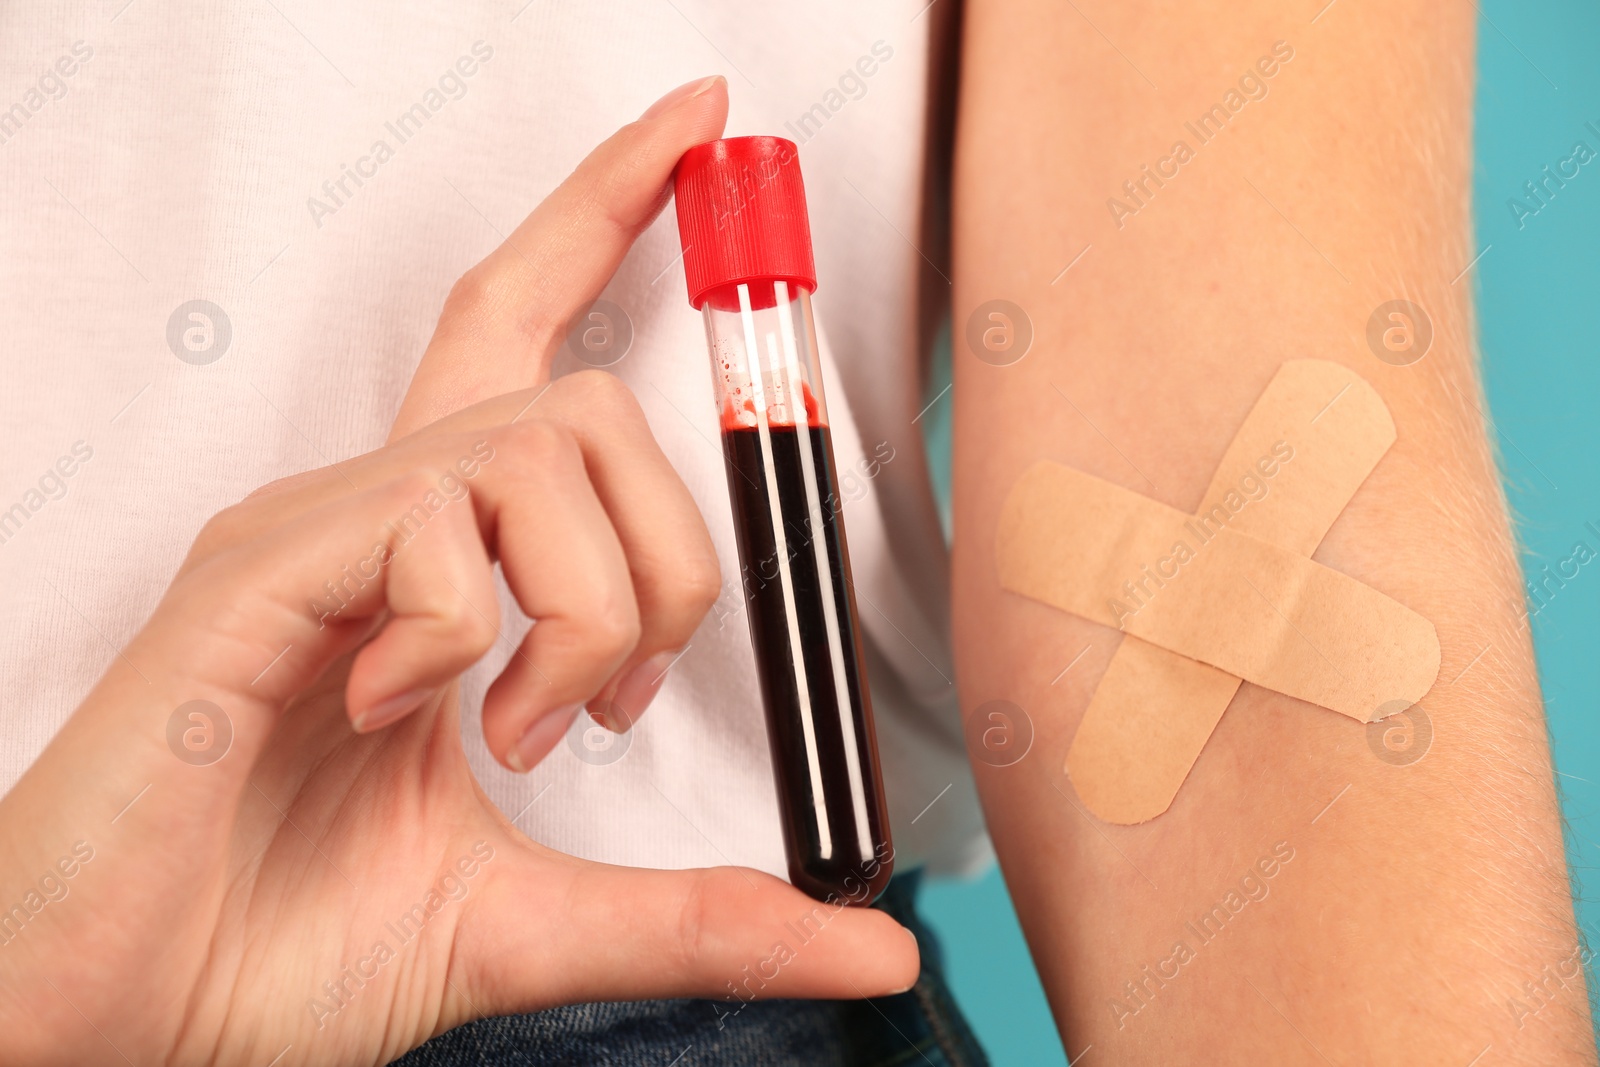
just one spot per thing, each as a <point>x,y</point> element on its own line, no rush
<point>706,899</point>
<point>689,590</point>
<point>222,531</point>
<point>410,490</point>
<point>542,444</point>
<point>694,919</point>
<point>411,501</point>
<point>600,393</point>
<point>702,582</point>
<point>498,293</point>
<point>282,485</point>
<point>613,630</point>
<point>476,632</point>
<point>461,456</point>
<point>613,197</point>
<point>474,294</point>
<point>261,509</point>
<point>237,522</point>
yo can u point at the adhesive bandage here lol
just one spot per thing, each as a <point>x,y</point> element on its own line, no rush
<point>1228,593</point>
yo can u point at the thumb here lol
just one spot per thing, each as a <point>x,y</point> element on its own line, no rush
<point>505,318</point>
<point>552,929</point>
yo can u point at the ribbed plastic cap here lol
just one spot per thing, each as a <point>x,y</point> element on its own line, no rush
<point>742,215</point>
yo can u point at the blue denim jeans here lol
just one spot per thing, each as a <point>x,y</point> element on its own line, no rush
<point>919,1028</point>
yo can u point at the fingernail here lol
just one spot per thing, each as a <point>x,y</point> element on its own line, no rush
<point>640,685</point>
<point>385,712</point>
<point>918,978</point>
<point>680,94</point>
<point>537,740</point>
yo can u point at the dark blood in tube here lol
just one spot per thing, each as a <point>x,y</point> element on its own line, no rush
<point>819,759</point>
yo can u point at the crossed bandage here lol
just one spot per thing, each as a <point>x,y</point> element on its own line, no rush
<point>1227,594</point>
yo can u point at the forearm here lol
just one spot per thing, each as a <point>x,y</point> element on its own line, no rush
<point>1418,905</point>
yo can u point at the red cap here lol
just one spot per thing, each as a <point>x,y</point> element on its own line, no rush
<point>742,215</point>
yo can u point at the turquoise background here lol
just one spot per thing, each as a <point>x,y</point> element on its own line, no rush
<point>1539,84</point>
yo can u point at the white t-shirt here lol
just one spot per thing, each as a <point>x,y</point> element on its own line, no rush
<point>178,151</point>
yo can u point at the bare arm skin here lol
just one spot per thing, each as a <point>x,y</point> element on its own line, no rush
<point>1424,912</point>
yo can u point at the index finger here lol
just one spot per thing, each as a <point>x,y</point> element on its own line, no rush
<point>504,318</point>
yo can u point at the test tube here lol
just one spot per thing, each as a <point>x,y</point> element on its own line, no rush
<point>747,255</point>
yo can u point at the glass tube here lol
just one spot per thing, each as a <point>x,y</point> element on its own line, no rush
<point>797,588</point>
